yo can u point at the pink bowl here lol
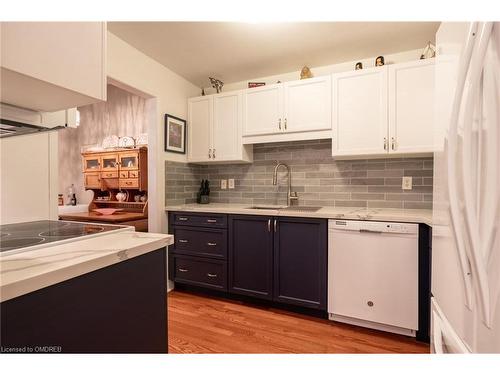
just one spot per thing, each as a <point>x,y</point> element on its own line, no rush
<point>107,211</point>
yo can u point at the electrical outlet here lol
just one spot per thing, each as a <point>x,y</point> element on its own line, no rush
<point>223,184</point>
<point>407,183</point>
<point>231,183</point>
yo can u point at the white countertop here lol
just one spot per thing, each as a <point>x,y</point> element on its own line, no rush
<point>353,213</point>
<point>25,272</point>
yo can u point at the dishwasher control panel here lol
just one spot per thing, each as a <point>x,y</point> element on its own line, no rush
<point>373,226</point>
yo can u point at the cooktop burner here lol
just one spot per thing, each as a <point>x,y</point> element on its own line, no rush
<point>20,235</point>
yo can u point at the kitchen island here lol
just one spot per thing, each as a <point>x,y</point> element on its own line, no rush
<point>105,294</point>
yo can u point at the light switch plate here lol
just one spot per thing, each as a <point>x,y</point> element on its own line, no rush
<point>231,183</point>
<point>223,184</point>
<point>407,183</point>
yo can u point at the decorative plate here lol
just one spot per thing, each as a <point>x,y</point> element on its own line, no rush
<point>142,139</point>
<point>110,141</point>
<point>126,142</point>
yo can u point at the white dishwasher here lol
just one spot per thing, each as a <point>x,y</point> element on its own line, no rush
<point>373,274</point>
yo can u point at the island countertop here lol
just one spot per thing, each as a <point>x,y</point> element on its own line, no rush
<point>351,213</point>
<point>27,271</point>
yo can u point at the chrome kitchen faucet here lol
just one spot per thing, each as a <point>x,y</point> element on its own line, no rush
<point>291,195</point>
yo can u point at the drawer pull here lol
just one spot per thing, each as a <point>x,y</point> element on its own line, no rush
<point>183,219</point>
<point>211,220</point>
<point>128,182</point>
<point>212,243</point>
<point>183,241</point>
<point>211,274</point>
<point>182,270</point>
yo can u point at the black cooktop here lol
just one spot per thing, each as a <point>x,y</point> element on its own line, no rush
<point>17,236</point>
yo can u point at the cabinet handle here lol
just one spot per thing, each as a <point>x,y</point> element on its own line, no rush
<point>211,220</point>
<point>269,225</point>
<point>209,154</point>
<point>182,270</point>
<point>211,274</point>
<point>275,225</point>
<point>285,123</point>
<point>182,219</point>
<point>279,124</point>
<point>385,143</point>
<point>183,241</point>
<point>212,243</point>
<point>393,143</point>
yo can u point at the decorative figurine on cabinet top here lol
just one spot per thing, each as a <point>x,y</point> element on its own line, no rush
<point>216,83</point>
<point>428,52</point>
<point>359,66</point>
<point>379,61</point>
<point>305,73</point>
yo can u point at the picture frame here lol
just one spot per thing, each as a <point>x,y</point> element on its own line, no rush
<point>175,134</point>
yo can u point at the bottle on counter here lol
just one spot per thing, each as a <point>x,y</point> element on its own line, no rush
<point>73,200</point>
<point>60,200</point>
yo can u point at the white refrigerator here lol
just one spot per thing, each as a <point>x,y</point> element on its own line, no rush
<point>465,282</point>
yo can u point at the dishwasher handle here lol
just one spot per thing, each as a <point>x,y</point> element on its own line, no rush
<point>370,231</point>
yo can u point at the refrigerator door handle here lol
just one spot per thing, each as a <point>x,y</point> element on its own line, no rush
<point>472,226</point>
<point>455,211</point>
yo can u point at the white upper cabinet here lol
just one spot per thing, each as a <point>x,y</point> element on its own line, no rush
<point>215,127</point>
<point>51,66</point>
<point>290,111</point>
<point>200,122</point>
<point>263,110</point>
<point>384,110</point>
<point>308,105</point>
<point>411,106</point>
<point>360,112</point>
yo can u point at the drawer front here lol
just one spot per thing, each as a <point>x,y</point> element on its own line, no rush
<point>201,272</point>
<point>123,174</point>
<point>129,183</point>
<point>201,242</point>
<point>109,174</point>
<point>200,220</point>
<point>133,174</point>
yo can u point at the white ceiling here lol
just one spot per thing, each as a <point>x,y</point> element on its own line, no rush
<point>239,51</point>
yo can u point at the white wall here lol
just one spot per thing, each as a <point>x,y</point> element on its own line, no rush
<point>321,70</point>
<point>130,67</point>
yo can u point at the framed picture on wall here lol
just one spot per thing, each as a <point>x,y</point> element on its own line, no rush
<point>175,134</point>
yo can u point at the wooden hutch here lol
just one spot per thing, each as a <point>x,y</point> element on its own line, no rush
<point>107,173</point>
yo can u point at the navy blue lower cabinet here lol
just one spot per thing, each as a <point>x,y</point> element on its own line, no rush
<point>251,255</point>
<point>300,262</point>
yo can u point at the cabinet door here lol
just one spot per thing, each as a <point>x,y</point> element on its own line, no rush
<point>411,106</point>
<point>200,119</point>
<point>109,163</point>
<point>227,127</point>
<point>300,262</point>
<point>92,180</point>
<point>92,163</point>
<point>263,110</point>
<point>360,112</point>
<point>49,66</point>
<point>128,161</point>
<point>251,255</point>
<point>308,105</point>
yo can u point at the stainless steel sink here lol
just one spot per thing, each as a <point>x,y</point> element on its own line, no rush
<point>266,207</point>
<point>301,208</point>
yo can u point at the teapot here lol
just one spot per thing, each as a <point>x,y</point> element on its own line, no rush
<point>122,196</point>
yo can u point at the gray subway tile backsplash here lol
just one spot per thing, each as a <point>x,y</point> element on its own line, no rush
<point>317,178</point>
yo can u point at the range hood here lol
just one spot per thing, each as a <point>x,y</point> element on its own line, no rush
<point>19,121</point>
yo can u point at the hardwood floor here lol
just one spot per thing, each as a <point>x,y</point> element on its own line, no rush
<point>199,324</point>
